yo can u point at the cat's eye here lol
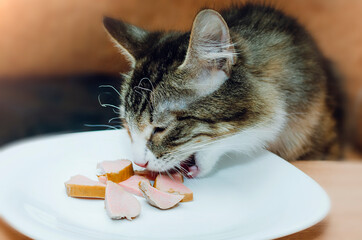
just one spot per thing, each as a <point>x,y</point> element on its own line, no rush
<point>158,130</point>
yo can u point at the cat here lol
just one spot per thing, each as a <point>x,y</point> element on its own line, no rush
<point>247,78</point>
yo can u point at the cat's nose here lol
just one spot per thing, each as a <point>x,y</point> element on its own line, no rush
<point>144,165</point>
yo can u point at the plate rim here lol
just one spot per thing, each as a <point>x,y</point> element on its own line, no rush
<point>12,222</point>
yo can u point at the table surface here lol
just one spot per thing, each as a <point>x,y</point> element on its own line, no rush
<point>341,180</point>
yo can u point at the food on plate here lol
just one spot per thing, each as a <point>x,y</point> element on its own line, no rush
<point>115,171</point>
<point>173,184</point>
<point>119,203</point>
<point>102,179</point>
<point>157,198</point>
<point>147,174</point>
<point>132,183</point>
<point>118,183</point>
<point>83,187</point>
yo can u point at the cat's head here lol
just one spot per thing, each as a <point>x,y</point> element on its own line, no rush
<point>175,99</point>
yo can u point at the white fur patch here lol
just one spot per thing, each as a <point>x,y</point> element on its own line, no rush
<point>172,105</point>
<point>122,111</point>
<point>247,141</point>
<point>141,154</point>
<point>208,82</point>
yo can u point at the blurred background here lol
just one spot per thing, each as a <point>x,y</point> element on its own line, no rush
<point>55,55</point>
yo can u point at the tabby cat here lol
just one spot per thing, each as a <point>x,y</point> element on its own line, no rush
<point>245,79</point>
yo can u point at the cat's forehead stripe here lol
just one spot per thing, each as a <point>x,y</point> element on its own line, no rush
<point>143,104</point>
<point>153,65</point>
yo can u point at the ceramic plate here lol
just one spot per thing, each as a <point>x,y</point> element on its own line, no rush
<point>258,197</point>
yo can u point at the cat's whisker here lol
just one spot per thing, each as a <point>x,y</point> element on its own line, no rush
<point>115,118</point>
<point>145,78</point>
<point>195,180</point>
<point>170,176</point>
<point>150,90</point>
<point>110,86</point>
<point>214,140</point>
<point>177,169</point>
<point>143,88</point>
<point>228,156</point>
<point>116,112</point>
<point>106,104</point>
<point>142,94</point>
<point>101,125</point>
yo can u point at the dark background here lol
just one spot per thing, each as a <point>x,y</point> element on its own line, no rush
<point>39,105</point>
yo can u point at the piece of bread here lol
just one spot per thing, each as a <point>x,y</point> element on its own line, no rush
<point>83,187</point>
<point>119,203</point>
<point>173,184</point>
<point>115,171</point>
<point>131,185</point>
<point>157,198</point>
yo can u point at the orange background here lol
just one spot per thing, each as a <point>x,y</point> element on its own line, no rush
<point>55,37</point>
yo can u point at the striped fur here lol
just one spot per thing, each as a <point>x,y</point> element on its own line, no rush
<point>247,79</point>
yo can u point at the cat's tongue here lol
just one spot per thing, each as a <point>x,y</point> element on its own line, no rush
<point>190,166</point>
<point>193,172</point>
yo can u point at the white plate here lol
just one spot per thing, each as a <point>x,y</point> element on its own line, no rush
<point>262,197</point>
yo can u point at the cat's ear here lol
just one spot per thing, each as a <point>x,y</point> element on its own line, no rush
<point>128,38</point>
<point>210,43</point>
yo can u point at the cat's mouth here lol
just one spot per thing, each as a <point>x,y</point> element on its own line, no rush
<point>188,167</point>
